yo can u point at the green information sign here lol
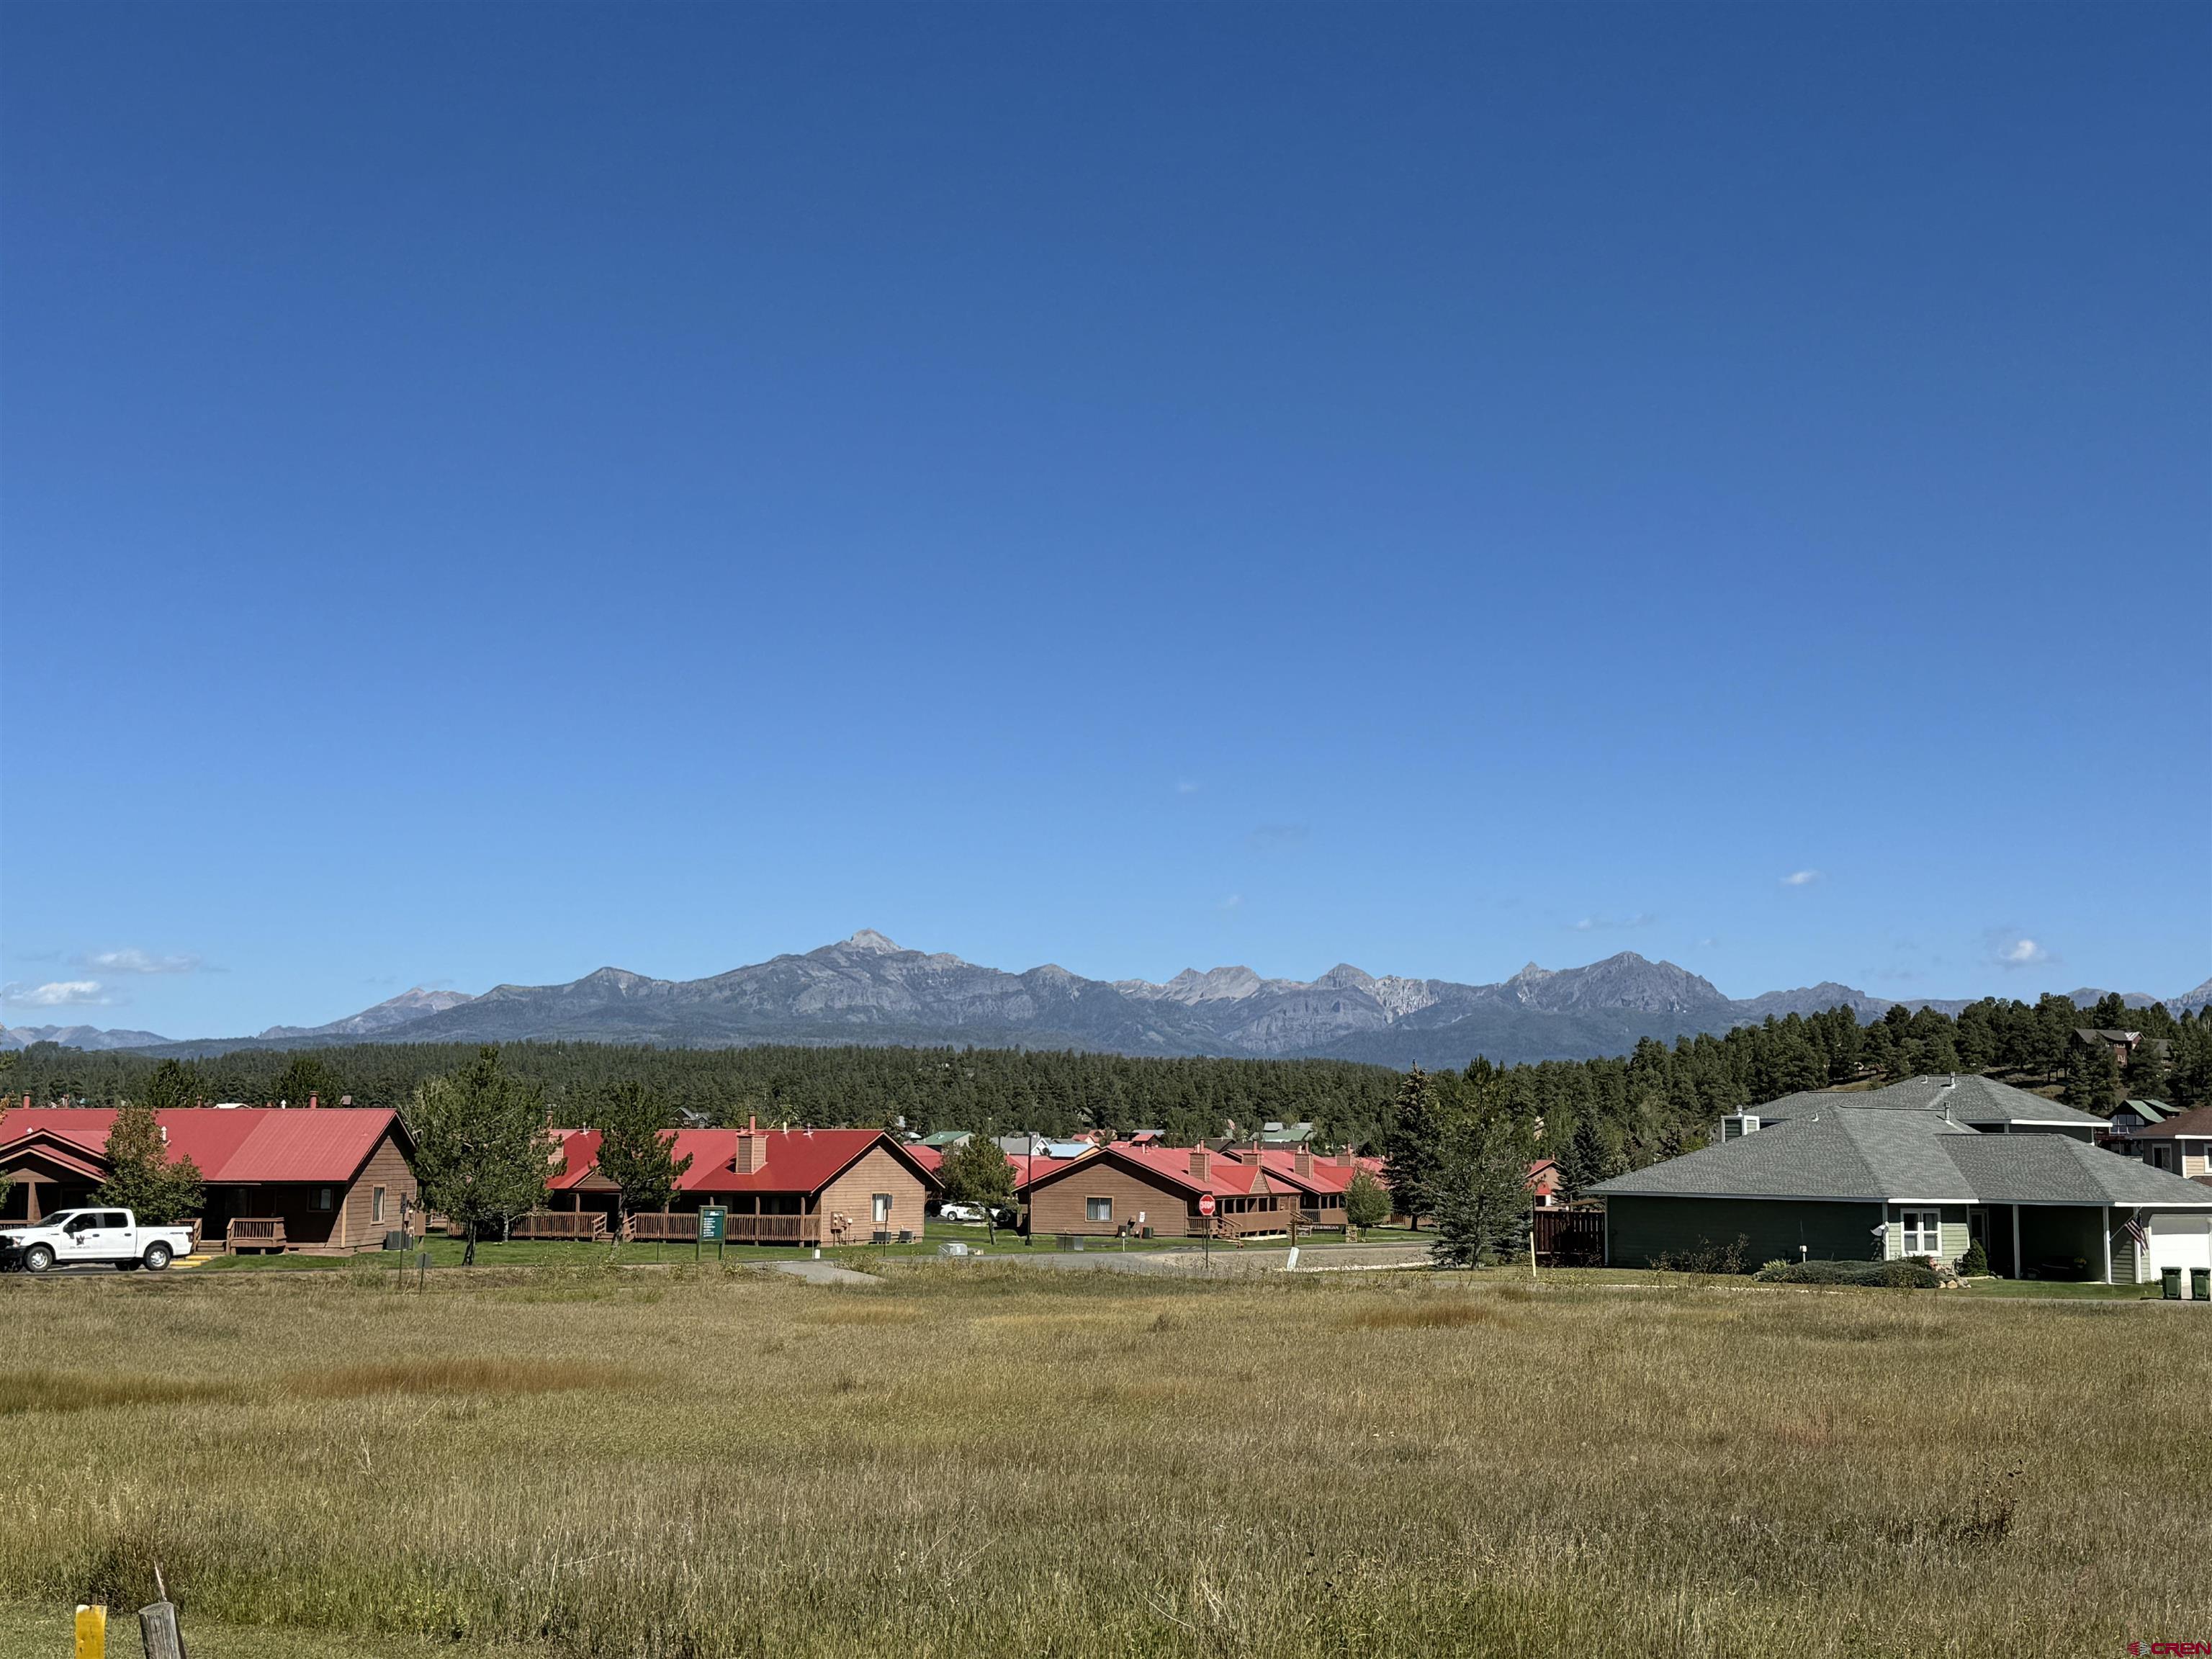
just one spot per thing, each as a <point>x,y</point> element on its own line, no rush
<point>713,1225</point>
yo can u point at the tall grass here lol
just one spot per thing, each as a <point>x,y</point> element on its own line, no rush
<point>981,1461</point>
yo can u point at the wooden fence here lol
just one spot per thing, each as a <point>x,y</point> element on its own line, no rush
<point>585,1225</point>
<point>1570,1237</point>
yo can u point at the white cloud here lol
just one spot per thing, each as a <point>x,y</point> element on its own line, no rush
<point>59,993</point>
<point>140,962</point>
<point>1186,787</point>
<point>1231,903</point>
<point>1801,877</point>
<point>2023,953</point>
<point>1602,924</point>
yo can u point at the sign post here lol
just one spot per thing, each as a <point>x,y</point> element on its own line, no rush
<point>1206,1209</point>
<point>714,1224</point>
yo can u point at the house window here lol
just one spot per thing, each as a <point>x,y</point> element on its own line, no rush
<point>883,1209</point>
<point>1923,1232</point>
<point>1097,1209</point>
<point>376,1204</point>
<point>323,1198</point>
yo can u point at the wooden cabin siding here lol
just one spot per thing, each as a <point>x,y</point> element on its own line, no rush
<point>852,1192</point>
<point>357,1227</point>
<point>1058,1205</point>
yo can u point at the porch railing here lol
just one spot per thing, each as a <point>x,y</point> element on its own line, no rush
<point>682,1227</point>
<point>251,1232</point>
<point>584,1225</point>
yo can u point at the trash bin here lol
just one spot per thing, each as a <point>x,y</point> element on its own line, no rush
<point>2200,1284</point>
<point>2169,1284</point>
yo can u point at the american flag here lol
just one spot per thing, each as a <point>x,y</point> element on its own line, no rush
<point>2134,1229</point>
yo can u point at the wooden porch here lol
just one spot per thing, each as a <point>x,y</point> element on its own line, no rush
<point>254,1232</point>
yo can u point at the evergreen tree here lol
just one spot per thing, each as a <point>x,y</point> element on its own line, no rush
<point>2145,1076</point>
<point>1480,1194</point>
<point>142,1176</point>
<point>637,1151</point>
<point>1410,1149</point>
<point>308,1078</point>
<point>483,1152</point>
<point>2092,1075</point>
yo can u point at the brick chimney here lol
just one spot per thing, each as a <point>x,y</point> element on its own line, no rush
<point>313,1102</point>
<point>752,1148</point>
<point>1302,1160</point>
<point>1201,1164</point>
<point>1346,1158</point>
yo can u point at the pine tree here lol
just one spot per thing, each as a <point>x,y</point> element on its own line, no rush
<point>1366,1202</point>
<point>1480,1194</point>
<point>637,1151</point>
<point>2091,1074</point>
<point>1411,1149</point>
<point>483,1152</point>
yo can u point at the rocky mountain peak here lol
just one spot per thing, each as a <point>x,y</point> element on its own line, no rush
<point>869,940</point>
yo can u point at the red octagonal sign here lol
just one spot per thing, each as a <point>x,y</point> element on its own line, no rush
<point>1205,1203</point>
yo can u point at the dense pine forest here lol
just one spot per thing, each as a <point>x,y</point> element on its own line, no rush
<point>1599,1114</point>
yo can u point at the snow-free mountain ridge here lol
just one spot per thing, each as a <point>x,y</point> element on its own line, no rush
<point>868,989</point>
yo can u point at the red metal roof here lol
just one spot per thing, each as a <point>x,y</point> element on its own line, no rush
<point>1326,1174</point>
<point>232,1145</point>
<point>797,1160</point>
<point>1225,1176</point>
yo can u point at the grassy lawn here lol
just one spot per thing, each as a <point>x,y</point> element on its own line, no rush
<point>987,1460</point>
<point>553,1253</point>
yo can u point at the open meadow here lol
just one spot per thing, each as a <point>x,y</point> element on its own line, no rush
<point>995,1460</point>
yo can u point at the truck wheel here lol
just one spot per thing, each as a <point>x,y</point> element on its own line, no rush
<point>157,1257</point>
<point>38,1258</point>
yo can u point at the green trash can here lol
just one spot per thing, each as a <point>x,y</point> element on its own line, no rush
<point>2169,1285</point>
<point>2200,1284</point>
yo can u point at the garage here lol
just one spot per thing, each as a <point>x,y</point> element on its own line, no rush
<point>2179,1240</point>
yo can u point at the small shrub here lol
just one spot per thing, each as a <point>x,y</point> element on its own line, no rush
<point>1975,1264</point>
<point>1885,1275</point>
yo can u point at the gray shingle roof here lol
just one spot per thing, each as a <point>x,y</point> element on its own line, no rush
<point>1850,1152</point>
<point>1969,1099</point>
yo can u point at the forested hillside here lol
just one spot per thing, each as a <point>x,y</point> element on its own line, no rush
<point>1604,1113</point>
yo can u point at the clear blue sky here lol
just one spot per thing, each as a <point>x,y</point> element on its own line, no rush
<point>490,491</point>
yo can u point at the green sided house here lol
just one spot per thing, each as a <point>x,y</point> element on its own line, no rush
<point>1920,1169</point>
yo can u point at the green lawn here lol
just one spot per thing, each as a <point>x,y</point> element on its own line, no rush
<point>560,1253</point>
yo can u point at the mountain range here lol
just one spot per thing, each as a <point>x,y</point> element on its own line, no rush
<point>866,990</point>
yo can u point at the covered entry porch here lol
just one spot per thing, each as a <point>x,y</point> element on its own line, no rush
<point>2058,1241</point>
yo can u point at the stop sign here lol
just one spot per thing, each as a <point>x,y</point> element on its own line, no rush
<point>1205,1203</point>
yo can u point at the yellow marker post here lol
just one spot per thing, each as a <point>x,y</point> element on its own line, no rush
<point>92,1633</point>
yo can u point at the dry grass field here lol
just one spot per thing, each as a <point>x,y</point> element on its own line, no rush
<point>995,1462</point>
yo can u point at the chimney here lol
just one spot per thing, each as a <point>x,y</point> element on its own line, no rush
<point>1302,1160</point>
<point>1346,1158</point>
<point>1201,1165</point>
<point>752,1149</point>
<point>314,1102</point>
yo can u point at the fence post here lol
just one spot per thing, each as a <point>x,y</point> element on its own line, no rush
<point>157,1624</point>
<point>91,1632</point>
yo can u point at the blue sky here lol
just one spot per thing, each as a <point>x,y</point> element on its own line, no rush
<point>487,492</point>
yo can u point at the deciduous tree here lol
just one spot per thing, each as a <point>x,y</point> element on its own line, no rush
<point>974,1172</point>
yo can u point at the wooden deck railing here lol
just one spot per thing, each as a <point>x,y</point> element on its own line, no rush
<point>587,1225</point>
<point>255,1233</point>
<point>1246,1223</point>
<point>662,1227</point>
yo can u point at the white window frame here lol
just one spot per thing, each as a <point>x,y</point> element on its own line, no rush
<point>880,1207</point>
<point>1097,1209</point>
<point>1907,1231</point>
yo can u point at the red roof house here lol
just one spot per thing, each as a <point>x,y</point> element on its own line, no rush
<point>780,1185</point>
<point>1121,1189</point>
<point>336,1178</point>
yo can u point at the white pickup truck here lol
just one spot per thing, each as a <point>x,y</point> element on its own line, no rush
<point>74,1236</point>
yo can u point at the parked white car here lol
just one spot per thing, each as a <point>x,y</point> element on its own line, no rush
<point>74,1236</point>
